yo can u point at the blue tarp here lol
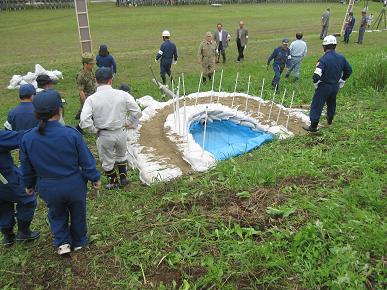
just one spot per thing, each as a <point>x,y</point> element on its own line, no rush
<point>225,139</point>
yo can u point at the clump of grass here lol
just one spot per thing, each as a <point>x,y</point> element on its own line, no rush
<point>373,72</point>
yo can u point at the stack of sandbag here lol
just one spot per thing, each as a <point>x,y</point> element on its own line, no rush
<point>30,78</point>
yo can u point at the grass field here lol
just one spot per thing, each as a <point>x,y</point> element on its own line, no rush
<point>305,213</point>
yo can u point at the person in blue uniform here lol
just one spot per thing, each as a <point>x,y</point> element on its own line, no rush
<point>281,57</point>
<point>12,192</point>
<point>23,116</point>
<point>332,70</point>
<point>104,59</point>
<point>167,55</point>
<point>349,27</point>
<point>59,173</point>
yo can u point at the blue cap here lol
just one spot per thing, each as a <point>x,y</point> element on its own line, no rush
<point>103,74</point>
<point>47,101</point>
<point>285,40</point>
<point>103,47</point>
<point>27,90</point>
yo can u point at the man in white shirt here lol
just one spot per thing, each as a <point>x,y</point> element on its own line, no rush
<point>298,50</point>
<point>108,113</point>
<point>222,38</point>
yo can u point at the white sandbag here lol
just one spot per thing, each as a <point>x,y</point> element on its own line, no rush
<point>58,74</point>
<point>248,124</point>
<point>14,82</point>
<point>29,77</point>
<point>23,82</point>
<point>39,70</point>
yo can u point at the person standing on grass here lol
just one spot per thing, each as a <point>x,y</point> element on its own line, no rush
<point>23,116</point>
<point>369,21</point>
<point>332,70</point>
<point>206,57</point>
<point>86,82</point>
<point>104,59</point>
<point>167,55</point>
<point>56,162</point>
<point>349,27</point>
<point>362,28</point>
<point>242,38</point>
<point>325,23</point>
<point>108,113</point>
<point>222,38</point>
<point>281,57</point>
<point>12,192</point>
<point>298,50</point>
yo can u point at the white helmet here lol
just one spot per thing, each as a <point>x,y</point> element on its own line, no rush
<point>166,33</point>
<point>330,39</point>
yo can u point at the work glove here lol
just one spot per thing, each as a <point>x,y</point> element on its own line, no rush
<point>175,62</point>
<point>156,60</point>
<point>316,84</point>
<point>245,46</point>
<point>341,83</point>
<point>217,51</point>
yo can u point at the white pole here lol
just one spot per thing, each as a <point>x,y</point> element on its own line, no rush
<point>184,109</point>
<point>212,86</point>
<point>205,129</point>
<point>220,84</point>
<point>173,103</point>
<point>291,103</point>
<point>197,95</point>
<point>235,87</point>
<point>178,106</point>
<point>248,91</point>
<point>282,102</point>
<point>272,101</point>
<point>259,106</point>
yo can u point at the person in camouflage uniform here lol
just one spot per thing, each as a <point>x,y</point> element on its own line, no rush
<point>207,56</point>
<point>86,82</point>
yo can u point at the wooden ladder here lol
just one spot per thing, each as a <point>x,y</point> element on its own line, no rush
<point>83,25</point>
<point>346,17</point>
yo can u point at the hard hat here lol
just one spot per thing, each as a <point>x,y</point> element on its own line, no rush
<point>166,33</point>
<point>330,39</point>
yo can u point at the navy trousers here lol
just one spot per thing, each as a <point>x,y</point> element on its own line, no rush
<point>165,68</point>
<point>325,93</point>
<point>278,69</point>
<point>347,33</point>
<point>66,201</point>
<point>11,194</point>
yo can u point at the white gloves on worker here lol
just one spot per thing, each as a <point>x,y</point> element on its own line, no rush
<point>341,83</point>
<point>175,62</point>
<point>156,60</point>
<point>316,84</point>
<point>217,51</point>
<point>245,46</point>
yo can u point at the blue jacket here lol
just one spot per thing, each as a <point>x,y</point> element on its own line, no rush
<point>167,52</point>
<point>22,117</point>
<point>280,56</point>
<point>332,67</point>
<point>59,153</point>
<point>106,61</point>
<point>9,140</point>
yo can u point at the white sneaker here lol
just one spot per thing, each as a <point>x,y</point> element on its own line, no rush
<point>64,249</point>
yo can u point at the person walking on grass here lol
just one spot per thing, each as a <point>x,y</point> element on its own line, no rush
<point>349,27</point>
<point>167,55</point>
<point>222,38</point>
<point>362,28</point>
<point>56,162</point>
<point>207,56</point>
<point>325,23</point>
<point>298,50</point>
<point>108,113</point>
<point>12,192</point>
<point>281,57</point>
<point>242,35</point>
<point>332,70</point>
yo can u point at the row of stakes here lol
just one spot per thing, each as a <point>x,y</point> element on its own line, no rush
<point>181,83</point>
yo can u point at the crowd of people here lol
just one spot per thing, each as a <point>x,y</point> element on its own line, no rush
<point>56,162</point>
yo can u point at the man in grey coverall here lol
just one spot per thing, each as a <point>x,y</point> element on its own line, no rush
<point>325,23</point>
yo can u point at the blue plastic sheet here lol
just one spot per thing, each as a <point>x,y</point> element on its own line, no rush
<point>225,139</point>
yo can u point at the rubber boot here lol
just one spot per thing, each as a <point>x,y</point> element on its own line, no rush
<point>209,77</point>
<point>122,171</point>
<point>329,120</point>
<point>204,80</point>
<point>24,233</point>
<point>9,237</point>
<point>312,128</point>
<point>113,180</point>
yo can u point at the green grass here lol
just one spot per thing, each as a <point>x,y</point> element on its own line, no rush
<point>305,213</point>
